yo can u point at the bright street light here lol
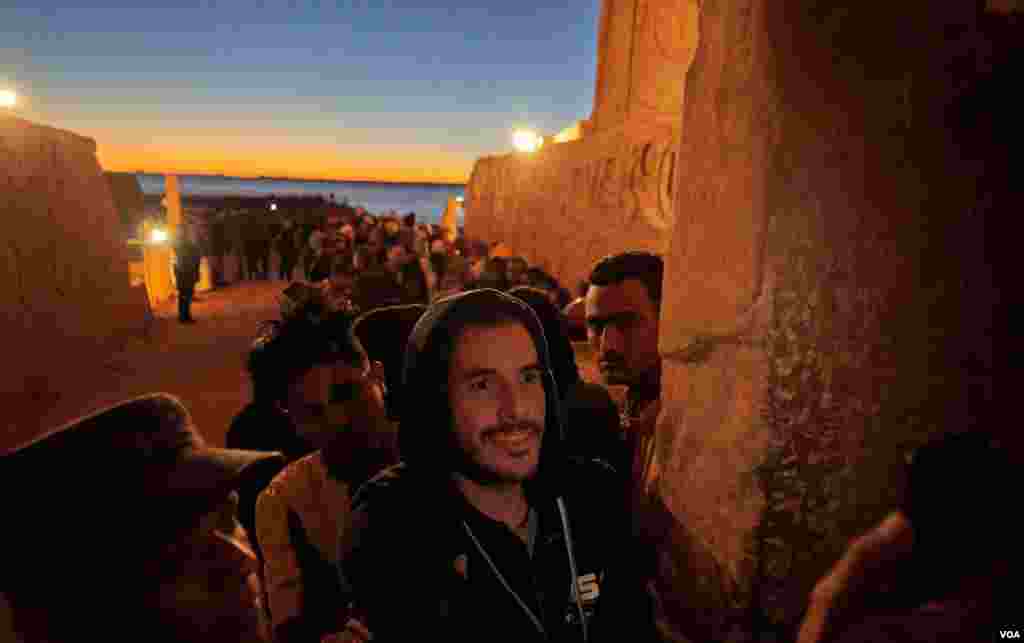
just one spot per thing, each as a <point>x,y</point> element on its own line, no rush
<point>526,140</point>
<point>8,98</point>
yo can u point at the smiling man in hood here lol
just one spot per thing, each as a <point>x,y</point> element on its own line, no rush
<point>486,530</point>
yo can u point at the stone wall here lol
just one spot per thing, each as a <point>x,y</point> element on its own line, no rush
<point>611,190</point>
<point>570,204</point>
<point>817,324</point>
<point>642,46</point>
<point>128,198</point>
<point>65,293</point>
<point>821,199</point>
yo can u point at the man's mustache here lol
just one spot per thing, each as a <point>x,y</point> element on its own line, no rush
<point>509,427</point>
<point>612,359</point>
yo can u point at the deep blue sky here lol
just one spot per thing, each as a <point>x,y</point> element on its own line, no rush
<point>409,89</point>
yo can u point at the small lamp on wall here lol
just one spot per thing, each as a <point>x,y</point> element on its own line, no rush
<point>158,235</point>
<point>526,140</point>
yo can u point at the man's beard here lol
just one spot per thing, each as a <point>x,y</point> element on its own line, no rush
<point>470,465</point>
<point>614,370</point>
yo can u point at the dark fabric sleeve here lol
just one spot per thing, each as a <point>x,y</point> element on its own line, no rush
<point>957,493</point>
<point>383,574</point>
<point>323,609</point>
<point>627,611</point>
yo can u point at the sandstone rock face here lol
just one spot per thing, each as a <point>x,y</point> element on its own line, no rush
<point>64,283</point>
<point>572,203</point>
<point>827,301</point>
<point>642,46</point>
<point>128,198</point>
<point>815,312</point>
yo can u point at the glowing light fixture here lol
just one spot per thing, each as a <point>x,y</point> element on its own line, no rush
<point>460,199</point>
<point>526,140</point>
<point>8,98</point>
<point>273,207</point>
<point>157,235</point>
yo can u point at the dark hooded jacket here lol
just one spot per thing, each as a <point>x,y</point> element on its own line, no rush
<point>421,562</point>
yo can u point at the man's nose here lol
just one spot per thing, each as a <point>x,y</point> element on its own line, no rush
<point>612,340</point>
<point>512,403</point>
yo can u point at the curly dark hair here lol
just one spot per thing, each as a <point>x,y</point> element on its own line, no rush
<point>306,336</point>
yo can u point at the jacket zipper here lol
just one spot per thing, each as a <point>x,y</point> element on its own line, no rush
<point>526,608</point>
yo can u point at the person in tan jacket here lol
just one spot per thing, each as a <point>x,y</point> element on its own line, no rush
<point>304,510</point>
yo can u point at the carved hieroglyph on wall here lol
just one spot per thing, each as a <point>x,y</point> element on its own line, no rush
<point>603,194</point>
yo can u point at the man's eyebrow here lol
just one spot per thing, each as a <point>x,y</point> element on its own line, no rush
<point>477,372</point>
<point>625,315</point>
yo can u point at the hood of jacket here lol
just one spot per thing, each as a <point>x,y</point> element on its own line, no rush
<point>426,434</point>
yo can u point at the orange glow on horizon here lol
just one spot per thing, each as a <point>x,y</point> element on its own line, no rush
<point>399,165</point>
<point>234,149</point>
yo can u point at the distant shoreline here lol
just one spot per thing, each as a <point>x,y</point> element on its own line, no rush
<point>298,180</point>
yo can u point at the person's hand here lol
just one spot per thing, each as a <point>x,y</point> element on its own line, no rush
<point>354,632</point>
<point>869,562</point>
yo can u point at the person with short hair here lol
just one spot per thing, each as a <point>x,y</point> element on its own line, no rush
<point>187,259</point>
<point>287,250</point>
<point>494,275</point>
<point>415,284</point>
<point>485,520</point>
<point>304,509</point>
<point>453,276</point>
<point>516,272</point>
<point>622,307</point>
<point>394,256</point>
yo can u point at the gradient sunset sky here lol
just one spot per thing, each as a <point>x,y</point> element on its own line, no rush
<point>406,90</point>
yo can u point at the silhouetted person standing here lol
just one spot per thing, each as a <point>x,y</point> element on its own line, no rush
<point>287,250</point>
<point>251,233</point>
<point>186,271</point>
<point>220,246</point>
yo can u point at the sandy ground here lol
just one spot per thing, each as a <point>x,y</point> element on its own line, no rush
<point>202,364</point>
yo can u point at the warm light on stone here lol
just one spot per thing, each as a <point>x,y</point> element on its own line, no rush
<point>8,98</point>
<point>526,141</point>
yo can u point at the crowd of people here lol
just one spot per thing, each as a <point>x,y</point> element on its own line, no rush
<point>373,260</point>
<point>420,458</point>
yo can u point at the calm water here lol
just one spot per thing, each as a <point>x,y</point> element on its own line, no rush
<point>426,200</point>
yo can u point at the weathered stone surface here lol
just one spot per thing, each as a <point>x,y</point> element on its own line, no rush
<point>128,198</point>
<point>642,46</point>
<point>572,203</point>
<point>816,325</point>
<point>611,190</point>
<point>64,284</point>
